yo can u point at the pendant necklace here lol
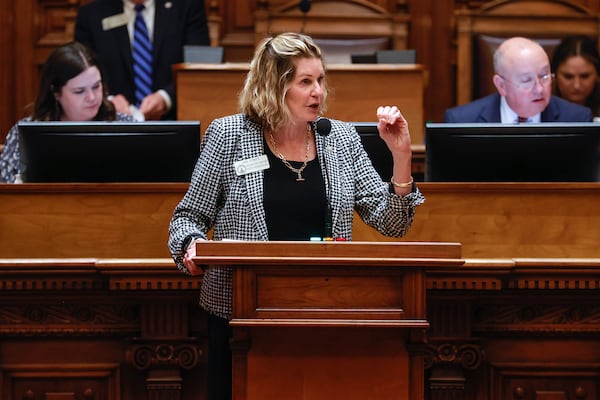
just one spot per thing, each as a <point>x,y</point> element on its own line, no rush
<point>297,171</point>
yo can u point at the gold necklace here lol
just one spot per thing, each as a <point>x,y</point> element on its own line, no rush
<point>297,171</point>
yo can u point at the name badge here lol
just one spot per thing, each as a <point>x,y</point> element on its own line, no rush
<point>114,21</point>
<point>250,165</point>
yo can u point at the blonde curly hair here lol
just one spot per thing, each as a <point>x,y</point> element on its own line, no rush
<point>271,71</point>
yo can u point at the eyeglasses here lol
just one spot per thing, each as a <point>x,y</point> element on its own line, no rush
<point>529,82</point>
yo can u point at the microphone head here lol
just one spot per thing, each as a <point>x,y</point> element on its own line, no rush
<point>305,6</point>
<point>323,126</point>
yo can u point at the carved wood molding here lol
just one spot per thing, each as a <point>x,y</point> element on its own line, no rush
<point>551,381</point>
<point>466,355</point>
<point>56,21</point>
<point>471,4</point>
<point>491,283</point>
<point>70,318</point>
<point>185,354</point>
<point>572,317</point>
<point>89,275</point>
<point>83,381</point>
<point>539,274</point>
<point>341,19</point>
<point>94,297</point>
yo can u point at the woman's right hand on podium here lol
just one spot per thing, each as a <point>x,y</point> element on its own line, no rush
<point>188,259</point>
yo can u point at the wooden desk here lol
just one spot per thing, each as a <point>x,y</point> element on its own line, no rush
<point>508,219</point>
<point>208,91</point>
<point>131,220</point>
<point>515,328</point>
<point>118,329</point>
<point>521,315</point>
<point>87,220</point>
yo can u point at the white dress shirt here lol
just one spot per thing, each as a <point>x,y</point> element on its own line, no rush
<point>508,116</point>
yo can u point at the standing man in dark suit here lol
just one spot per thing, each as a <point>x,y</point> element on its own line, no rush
<point>523,80</point>
<point>107,27</point>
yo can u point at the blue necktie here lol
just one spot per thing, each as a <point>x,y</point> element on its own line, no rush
<point>142,57</point>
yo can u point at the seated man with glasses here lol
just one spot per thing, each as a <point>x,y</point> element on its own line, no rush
<point>523,80</point>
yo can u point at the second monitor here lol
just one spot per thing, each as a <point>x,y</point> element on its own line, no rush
<point>494,152</point>
<point>98,151</point>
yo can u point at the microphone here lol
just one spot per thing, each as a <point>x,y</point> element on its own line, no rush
<point>305,6</point>
<point>323,127</point>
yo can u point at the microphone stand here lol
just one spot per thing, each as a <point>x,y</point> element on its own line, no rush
<point>305,8</point>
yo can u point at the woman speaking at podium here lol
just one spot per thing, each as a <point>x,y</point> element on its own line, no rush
<point>279,171</point>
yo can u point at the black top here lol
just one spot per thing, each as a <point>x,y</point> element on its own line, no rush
<point>294,210</point>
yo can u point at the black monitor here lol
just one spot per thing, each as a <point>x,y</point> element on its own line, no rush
<point>366,58</point>
<point>152,151</point>
<point>494,152</point>
<point>376,148</point>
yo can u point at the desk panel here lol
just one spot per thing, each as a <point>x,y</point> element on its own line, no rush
<point>131,220</point>
<point>209,91</point>
<point>508,219</point>
<point>100,329</point>
<point>523,309</point>
<point>87,220</point>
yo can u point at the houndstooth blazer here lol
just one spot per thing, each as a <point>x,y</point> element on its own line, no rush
<point>233,205</point>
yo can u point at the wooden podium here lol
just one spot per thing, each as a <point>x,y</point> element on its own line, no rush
<point>328,320</point>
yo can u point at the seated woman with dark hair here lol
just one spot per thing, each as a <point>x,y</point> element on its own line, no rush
<point>71,89</point>
<point>576,66</point>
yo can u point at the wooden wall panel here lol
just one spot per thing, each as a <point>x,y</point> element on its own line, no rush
<point>431,34</point>
<point>7,67</point>
<point>102,335</point>
<point>31,28</point>
<point>237,29</point>
<point>24,72</point>
<point>41,25</point>
<point>591,4</point>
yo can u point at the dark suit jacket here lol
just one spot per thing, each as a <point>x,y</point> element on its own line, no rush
<point>176,23</point>
<point>487,109</point>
